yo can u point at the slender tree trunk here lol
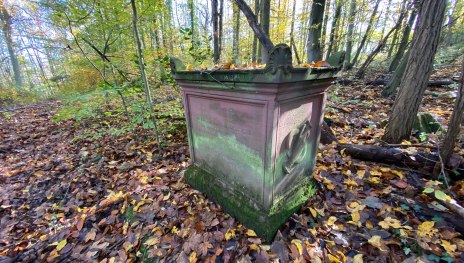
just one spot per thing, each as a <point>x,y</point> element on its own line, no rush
<point>324,25</point>
<point>264,21</point>
<point>454,126</point>
<point>215,17</point>
<point>292,29</point>
<point>394,41</point>
<point>313,45</point>
<point>367,33</point>
<point>235,43</point>
<point>338,11</point>
<point>191,8</point>
<point>377,49</point>
<point>254,52</point>
<point>221,16</point>
<point>404,42</point>
<point>5,18</point>
<point>395,81</point>
<point>349,35</point>
<point>385,20</point>
<point>142,67</point>
<point>418,70</point>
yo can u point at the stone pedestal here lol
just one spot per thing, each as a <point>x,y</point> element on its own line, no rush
<point>253,136</point>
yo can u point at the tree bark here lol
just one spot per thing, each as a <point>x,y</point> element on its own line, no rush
<point>367,33</point>
<point>215,18</point>
<point>254,52</point>
<point>221,16</point>
<point>390,88</point>
<point>259,31</point>
<point>338,11</point>
<point>5,18</point>
<point>454,126</point>
<point>324,25</point>
<point>235,43</point>
<point>418,70</point>
<point>349,35</point>
<point>265,23</point>
<point>313,45</point>
<point>142,67</point>
<point>404,42</point>
<point>292,29</point>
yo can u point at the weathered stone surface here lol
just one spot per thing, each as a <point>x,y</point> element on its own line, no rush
<point>253,137</point>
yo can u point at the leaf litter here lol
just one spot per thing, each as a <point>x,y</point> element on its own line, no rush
<point>122,198</point>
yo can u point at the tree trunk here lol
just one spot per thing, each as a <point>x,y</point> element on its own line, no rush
<point>5,18</point>
<point>396,34</point>
<point>404,42</point>
<point>221,16</point>
<point>366,34</point>
<point>254,52</point>
<point>292,29</point>
<point>235,44</point>
<point>454,126</point>
<point>338,11</point>
<point>395,81</point>
<point>349,35</point>
<point>191,8</point>
<point>142,67</point>
<point>324,25</point>
<point>264,22</point>
<point>313,46</point>
<point>377,49</point>
<point>215,17</point>
<point>418,70</point>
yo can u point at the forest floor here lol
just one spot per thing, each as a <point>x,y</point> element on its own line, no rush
<point>70,195</point>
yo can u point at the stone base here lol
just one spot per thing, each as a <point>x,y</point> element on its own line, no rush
<point>264,223</point>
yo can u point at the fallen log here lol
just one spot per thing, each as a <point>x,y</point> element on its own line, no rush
<point>432,82</point>
<point>389,155</point>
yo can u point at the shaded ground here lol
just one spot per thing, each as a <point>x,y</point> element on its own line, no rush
<point>70,195</point>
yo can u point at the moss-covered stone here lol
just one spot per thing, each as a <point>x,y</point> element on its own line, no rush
<point>264,222</point>
<point>426,123</point>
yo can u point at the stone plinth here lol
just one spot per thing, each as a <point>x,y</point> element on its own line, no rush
<point>253,136</point>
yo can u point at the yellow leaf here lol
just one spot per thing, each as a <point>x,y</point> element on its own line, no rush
<point>61,245</point>
<point>193,257</point>
<point>355,217</point>
<point>374,180</point>
<point>376,241</point>
<point>384,169</point>
<point>230,234</point>
<point>375,173</point>
<point>254,247</point>
<point>175,230</point>
<point>189,67</point>
<point>250,233</point>
<point>390,222</point>
<point>358,258</point>
<point>405,142</point>
<point>313,212</point>
<point>166,197</point>
<point>331,220</point>
<point>369,224</point>
<point>361,173</point>
<point>350,182</point>
<point>320,211</point>
<point>450,248</point>
<point>427,229</point>
<point>333,259</point>
<point>400,174</point>
<point>42,237</point>
<point>298,246</point>
<point>152,241</point>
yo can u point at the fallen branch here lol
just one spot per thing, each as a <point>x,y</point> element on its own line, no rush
<point>456,222</point>
<point>435,83</point>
